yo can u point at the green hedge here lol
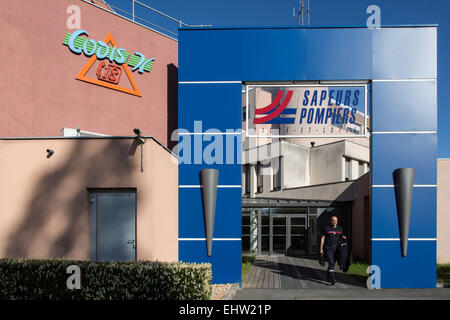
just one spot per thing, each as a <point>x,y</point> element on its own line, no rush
<point>47,279</point>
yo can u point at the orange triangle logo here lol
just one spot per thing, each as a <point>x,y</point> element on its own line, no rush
<point>109,40</point>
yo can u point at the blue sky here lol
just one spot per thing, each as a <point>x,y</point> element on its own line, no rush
<point>221,13</point>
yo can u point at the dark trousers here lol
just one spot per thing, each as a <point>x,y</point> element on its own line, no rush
<point>330,253</point>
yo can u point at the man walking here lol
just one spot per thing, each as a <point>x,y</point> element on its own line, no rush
<point>329,242</point>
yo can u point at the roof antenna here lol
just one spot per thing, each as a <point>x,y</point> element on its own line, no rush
<point>304,14</point>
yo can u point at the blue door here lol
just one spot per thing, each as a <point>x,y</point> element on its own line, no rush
<point>113,225</point>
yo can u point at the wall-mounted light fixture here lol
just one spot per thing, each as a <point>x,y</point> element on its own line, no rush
<point>139,137</point>
<point>208,180</point>
<point>403,185</point>
<point>140,140</point>
<point>50,152</point>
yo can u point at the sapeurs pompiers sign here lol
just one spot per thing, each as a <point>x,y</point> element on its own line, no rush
<point>113,62</point>
<point>306,110</point>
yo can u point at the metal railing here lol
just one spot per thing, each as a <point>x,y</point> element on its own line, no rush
<point>132,16</point>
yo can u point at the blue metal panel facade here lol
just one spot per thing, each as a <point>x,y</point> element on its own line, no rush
<point>404,116</point>
<point>404,101</point>
<point>213,112</point>
<point>384,221</point>
<point>225,258</point>
<point>307,54</point>
<point>414,150</point>
<point>404,53</point>
<point>228,214</point>
<point>404,136</point>
<point>229,175</point>
<point>206,111</point>
<point>400,62</point>
<point>416,270</point>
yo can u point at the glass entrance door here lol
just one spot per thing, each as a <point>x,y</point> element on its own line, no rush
<point>297,235</point>
<point>288,234</point>
<point>279,234</point>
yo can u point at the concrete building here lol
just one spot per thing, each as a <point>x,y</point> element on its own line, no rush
<point>77,180</point>
<point>296,192</point>
<point>96,199</point>
<point>47,91</point>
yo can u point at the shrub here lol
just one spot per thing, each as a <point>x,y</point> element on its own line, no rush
<point>248,258</point>
<point>142,280</point>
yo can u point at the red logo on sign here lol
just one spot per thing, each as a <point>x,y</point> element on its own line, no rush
<point>271,108</point>
<point>109,72</point>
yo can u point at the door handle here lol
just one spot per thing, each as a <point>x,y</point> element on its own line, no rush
<point>132,242</point>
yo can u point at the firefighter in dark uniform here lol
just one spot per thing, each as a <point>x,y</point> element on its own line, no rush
<point>329,242</point>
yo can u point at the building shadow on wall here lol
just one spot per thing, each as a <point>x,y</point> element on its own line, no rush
<point>172,104</point>
<point>56,219</point>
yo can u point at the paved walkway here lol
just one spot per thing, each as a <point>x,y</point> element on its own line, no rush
<point>336,294</point>
<point>282,272</point>
<point>295,278</point>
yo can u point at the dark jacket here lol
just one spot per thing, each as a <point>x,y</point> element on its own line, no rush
<point>344,255</point>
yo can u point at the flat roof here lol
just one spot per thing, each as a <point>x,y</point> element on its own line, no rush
<point>287,203</point>
<point>310,27</point>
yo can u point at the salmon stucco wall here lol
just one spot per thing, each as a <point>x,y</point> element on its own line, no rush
<point>40,94</point>
<point>443,210</point>
<point>44,202</point>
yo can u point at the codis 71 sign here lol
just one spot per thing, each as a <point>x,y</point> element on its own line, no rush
<point>110,62</point>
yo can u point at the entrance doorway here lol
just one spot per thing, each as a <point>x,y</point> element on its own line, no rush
<point>113,225</point>
<point>290,231</point>
<point>288,234</point>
